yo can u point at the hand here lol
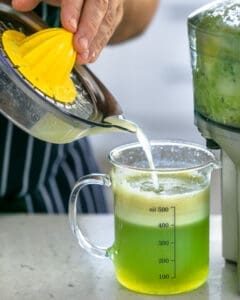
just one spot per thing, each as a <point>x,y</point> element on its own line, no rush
<point>93,22</point>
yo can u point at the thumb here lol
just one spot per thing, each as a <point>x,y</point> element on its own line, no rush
<point>25,5</point>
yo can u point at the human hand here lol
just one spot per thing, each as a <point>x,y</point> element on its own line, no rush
<point>93,22</point>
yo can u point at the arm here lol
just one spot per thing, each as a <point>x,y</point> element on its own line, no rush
<point>137,16</point>
<point>96,22</point>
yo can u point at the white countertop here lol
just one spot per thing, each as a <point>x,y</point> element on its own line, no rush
<point>40,259</point>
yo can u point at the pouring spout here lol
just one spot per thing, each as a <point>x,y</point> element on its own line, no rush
<point>119,122</point>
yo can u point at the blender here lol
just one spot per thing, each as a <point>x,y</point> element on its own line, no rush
<point>214,36</point>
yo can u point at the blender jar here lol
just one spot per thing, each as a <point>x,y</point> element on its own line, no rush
<point>214,35</point>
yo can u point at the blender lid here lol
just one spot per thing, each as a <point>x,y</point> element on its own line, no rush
<point>93,102</point>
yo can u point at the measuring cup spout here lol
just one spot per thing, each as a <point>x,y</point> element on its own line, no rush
<point>216,164</point>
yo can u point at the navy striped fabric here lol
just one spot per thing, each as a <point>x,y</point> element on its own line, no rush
<point>38,177</point>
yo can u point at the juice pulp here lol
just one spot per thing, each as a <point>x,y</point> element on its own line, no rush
<point>161,238</point>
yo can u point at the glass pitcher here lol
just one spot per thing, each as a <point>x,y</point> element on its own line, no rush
<point>161,232</point>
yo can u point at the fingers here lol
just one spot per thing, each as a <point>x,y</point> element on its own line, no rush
<point>91,19</point>
<point>106,30</point>
<point>25,5</point>
<point>70,14</point>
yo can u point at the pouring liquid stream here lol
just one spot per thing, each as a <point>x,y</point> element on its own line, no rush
<point>143,141</point>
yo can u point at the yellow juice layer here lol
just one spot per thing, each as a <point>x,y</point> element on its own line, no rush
<point>137,202</point>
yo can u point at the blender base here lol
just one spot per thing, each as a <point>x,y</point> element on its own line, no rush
<point>229,143</point>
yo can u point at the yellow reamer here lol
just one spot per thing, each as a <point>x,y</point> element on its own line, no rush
<point>45,59</point>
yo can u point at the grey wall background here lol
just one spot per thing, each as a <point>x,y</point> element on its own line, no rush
<point>151,78</point>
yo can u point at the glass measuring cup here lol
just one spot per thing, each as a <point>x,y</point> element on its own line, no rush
<point>161,235</point>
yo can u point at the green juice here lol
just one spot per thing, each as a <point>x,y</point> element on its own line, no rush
<point>161,237</point>
<point>145,257</point>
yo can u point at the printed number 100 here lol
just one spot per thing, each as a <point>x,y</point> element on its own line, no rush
<point>164,276</point>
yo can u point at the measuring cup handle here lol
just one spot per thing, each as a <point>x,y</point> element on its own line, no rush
<point>99,179</point>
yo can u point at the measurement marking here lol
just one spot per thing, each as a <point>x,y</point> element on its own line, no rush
<point>175,249</point>
<point>171,243</point>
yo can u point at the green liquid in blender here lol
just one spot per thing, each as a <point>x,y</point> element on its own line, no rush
<point>214,40</point>
<point>161,239</point>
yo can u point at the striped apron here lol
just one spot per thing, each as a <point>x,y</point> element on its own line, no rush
<point>38,177</point>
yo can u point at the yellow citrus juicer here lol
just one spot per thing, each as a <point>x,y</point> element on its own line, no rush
<point>41,90</point>
<point>46,59</point>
